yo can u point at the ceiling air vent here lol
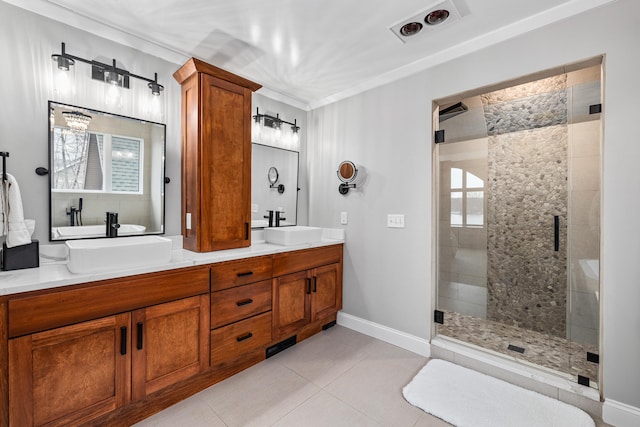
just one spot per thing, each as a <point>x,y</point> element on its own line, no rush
<point>437,16</point>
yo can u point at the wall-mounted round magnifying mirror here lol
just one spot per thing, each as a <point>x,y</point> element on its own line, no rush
<point>272,175</point>
<point>347,171</point>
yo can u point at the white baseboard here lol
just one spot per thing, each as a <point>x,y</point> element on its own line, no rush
<point>392,336</point>
<point>620,414</point>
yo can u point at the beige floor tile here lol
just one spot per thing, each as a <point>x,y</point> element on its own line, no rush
<point>324,357</point>
<point>258,396</point>
<point>191,412</point>
<point>323,410</point>
<point>374,385</point>
<point>428,420</point>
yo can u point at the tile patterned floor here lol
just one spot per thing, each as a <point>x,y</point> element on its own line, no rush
<point>542,349</point>
<point>336,378</point>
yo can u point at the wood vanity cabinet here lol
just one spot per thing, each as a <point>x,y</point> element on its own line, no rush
<point>72,374</point>
<point>216,157</point>
<point>307,287</point>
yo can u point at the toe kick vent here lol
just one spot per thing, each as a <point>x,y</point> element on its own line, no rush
<point>329,325</point>
<point>516,348</point>
<point>282,345</point>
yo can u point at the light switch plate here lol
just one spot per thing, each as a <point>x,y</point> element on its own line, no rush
<point>188,220</point>
<point>395,220</point>
<point>343,218</point>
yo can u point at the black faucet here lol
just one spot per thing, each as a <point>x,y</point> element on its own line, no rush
<point>270,217</point>
<point>279,218</point>
<point>112,224</point>
<point>75,214</point>
<point>72,215</point>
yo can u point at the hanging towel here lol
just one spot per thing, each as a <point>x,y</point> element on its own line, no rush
<point>11,213</point>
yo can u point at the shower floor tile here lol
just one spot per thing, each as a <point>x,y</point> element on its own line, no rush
<point>551,352</point>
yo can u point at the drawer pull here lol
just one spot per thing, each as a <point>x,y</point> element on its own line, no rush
<point>315,284</point>
<point>244,302</point>
<point>308,285</point>
<point>246,273</point>
<point>244,337</point>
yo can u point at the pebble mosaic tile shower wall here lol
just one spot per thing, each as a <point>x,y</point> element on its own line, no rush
<point>527,188</point>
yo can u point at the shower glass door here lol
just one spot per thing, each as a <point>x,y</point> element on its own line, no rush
<point>518,235</point>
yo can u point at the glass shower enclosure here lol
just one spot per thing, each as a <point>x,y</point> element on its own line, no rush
<point>518,190</point>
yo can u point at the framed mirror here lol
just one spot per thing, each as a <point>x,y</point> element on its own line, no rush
<point>101,163</point>
<point>274,184</point>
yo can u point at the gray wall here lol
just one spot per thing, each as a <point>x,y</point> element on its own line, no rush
<point>28,41</point>
<point>388,272</point>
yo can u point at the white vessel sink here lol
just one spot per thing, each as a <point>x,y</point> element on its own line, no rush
<point>93,256</point>
<point>295,235</point>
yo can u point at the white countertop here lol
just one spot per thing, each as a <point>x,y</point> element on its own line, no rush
<point>53,274</point>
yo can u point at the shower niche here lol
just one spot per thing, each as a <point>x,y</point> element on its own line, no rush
<point>518,189</point>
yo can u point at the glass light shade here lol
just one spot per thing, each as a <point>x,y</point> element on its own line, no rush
<point>112,95</point>
<point>63,83</point>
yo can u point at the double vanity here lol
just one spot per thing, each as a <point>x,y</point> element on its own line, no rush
<point>113,347</point>
<point>128,326</point>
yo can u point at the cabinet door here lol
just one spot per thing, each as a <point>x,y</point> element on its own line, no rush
<point>170,342</point>
<point>291,304</point>
<point>326,291</point>
<point>225,203</point>
<point>70,375</point>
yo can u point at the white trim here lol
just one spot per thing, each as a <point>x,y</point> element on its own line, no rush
<point>620,414</point>
<point>392,336</point>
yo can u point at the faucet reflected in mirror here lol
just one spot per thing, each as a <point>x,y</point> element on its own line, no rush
<point>75,214</point>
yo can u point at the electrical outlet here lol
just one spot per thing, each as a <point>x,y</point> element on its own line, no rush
<point>395,220</point>
<point>343,218</point>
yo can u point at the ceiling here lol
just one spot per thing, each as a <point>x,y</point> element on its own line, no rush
<point>306,52</point>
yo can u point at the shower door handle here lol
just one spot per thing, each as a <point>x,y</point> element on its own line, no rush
<point>556,233</point>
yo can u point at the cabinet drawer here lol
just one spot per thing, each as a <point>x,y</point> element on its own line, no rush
<point>290,262</point>
<point>231,305</point>
<point>232,341</point>
<point>235,273</point>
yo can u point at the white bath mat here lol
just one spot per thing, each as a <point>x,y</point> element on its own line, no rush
<point>467,398</point>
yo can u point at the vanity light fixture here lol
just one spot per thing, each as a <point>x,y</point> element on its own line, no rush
<point>266,120</point>
<point>109,73</point>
